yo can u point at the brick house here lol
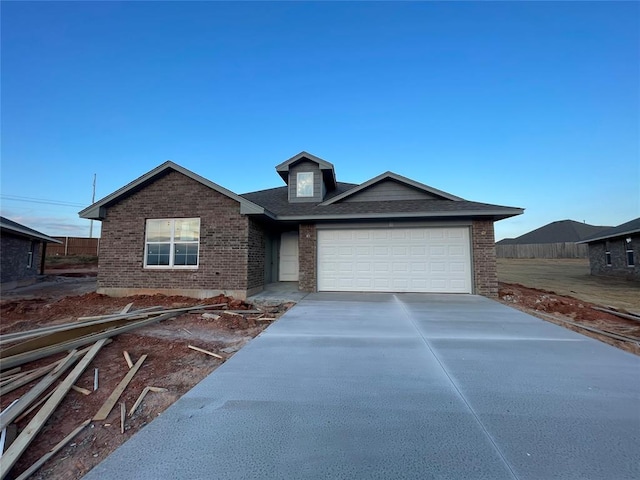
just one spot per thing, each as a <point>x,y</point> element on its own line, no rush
<point>173,231</point>
<point>22,254</point>
<point>615,252</point>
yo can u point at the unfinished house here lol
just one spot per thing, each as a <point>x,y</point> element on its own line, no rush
<point>172,231</point>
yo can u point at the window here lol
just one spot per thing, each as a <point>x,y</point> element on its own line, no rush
<point>607,254</point>
<point>31,254</point>
<point>172,243</point>
<point>629,250</point>
<point>305,184</point>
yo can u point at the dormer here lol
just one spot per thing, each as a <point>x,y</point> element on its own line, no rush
<point>308,177</point>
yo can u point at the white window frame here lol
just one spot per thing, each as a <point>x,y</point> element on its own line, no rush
<point>628,253</point>
<point>299,193</point>
<point>172,241</point>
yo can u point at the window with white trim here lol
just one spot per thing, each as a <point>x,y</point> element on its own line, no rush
<point>304,184</point>
<point>172,243</point>
<point>607,254</point>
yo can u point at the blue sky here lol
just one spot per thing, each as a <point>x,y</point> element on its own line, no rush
<point>533,105</point>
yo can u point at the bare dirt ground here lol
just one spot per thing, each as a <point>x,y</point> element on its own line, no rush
<point>170,364</point>
<point>562,289</point>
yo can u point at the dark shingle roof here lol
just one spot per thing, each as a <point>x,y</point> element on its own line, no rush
<point>276,201</point>
<point>556,232</point>
<point>19,229</point>
<point>627,228</point>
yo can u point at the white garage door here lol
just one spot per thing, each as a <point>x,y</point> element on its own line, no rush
<point>434,260</point>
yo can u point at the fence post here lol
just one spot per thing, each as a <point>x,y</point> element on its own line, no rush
<point>66,246</point>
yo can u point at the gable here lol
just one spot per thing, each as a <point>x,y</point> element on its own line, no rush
<point>389,190</point>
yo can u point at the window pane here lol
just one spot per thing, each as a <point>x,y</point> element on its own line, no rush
<point>305,184</point>
<point>158,230</point>
<point>187,229</point>
<point>185,254</point>
<point>158,254</point>
<point>630,259</point>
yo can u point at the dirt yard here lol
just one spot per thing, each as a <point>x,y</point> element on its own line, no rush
<point>170,364</point>
<point>556,291</point>
<point>562,291</point>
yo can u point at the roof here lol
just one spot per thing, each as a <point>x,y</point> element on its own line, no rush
<point>276,201</point>
<point>629,228</point>
<point>328,172</point>
<point>396,177</point>
<point>96,211</point>
<point>556,232</point>
<point>19,229</point>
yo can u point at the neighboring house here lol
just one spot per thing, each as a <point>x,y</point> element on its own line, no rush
<point>554,240</point>
<point>616,251</point>
<point>22,252</point>
<point>172,231</point>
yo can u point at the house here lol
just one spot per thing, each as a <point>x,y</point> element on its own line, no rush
<point>554,240</point>
<point>173,231</point>
<point>616,251</point>
<point>22,254</point>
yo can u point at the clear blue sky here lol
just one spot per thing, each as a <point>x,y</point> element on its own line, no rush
<point>533,105</point>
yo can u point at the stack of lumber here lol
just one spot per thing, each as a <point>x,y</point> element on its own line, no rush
<point>82,340</point>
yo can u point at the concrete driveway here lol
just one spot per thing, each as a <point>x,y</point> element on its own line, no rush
<point>401,386</point>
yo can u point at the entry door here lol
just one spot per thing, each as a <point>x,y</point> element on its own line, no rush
<point>289,257</point>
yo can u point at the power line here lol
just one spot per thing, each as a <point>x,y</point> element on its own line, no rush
<point>17,198</point>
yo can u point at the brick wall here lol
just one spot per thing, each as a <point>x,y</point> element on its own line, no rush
<point>256,255</point>
<point>307,247</point>
<point>224,240</point>
<point>15,257</point>
<point>618,267</point>
<point>485,275</point>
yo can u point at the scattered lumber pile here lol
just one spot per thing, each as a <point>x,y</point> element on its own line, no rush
<point>82,340</point>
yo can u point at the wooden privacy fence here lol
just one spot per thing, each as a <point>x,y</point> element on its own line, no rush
<point>74,246</point>
<point>543,250</point>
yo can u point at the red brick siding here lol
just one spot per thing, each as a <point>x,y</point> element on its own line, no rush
<point>256,256</point>
<point>223,237</point>
<point>484,258</point>
<point>307,247</point>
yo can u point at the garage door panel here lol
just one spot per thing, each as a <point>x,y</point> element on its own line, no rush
<point>395,259</point>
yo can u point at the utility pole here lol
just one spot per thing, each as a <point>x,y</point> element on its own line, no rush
<point>93,200</point>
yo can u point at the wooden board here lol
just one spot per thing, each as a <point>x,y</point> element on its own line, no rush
<point>108,405</point>
<point>27,435</point>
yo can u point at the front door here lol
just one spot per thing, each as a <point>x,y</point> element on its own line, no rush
<point>289,257</point>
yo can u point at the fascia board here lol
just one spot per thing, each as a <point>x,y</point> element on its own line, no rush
<point>28,233</point>
<point>352,216</point>
<point>614,235</point>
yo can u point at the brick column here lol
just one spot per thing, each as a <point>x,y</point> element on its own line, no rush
<point>484,258</point>
<point>307,246</point>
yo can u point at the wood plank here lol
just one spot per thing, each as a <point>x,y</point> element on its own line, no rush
<point>126,308</point>
<point>81,390</point>
<point>25,438</point>
<point>108,405</point>
<point>9,373</point>
<point>59,446</point>
<point>94,321</point>
<point>127,359</point>
<point>23,358</point>
<point>617,314</point>
<point>34,406</point>
<point>123,414</point>
<point>13,412</point>
<point>205,351</point>
<point>142,395</point>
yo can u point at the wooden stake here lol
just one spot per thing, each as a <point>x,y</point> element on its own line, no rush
<point>81,390</point>
<point>142,395</point>
<point>205,351</point>
<point>59,446</point>
<point>108,405</point>
<point>127,358</point>
<point>21,443</point>
<point>123,414</point>
<point>95,379</point>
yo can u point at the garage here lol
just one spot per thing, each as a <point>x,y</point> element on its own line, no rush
<point>430,260</point>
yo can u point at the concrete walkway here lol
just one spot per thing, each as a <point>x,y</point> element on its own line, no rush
<point>359,386</point>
